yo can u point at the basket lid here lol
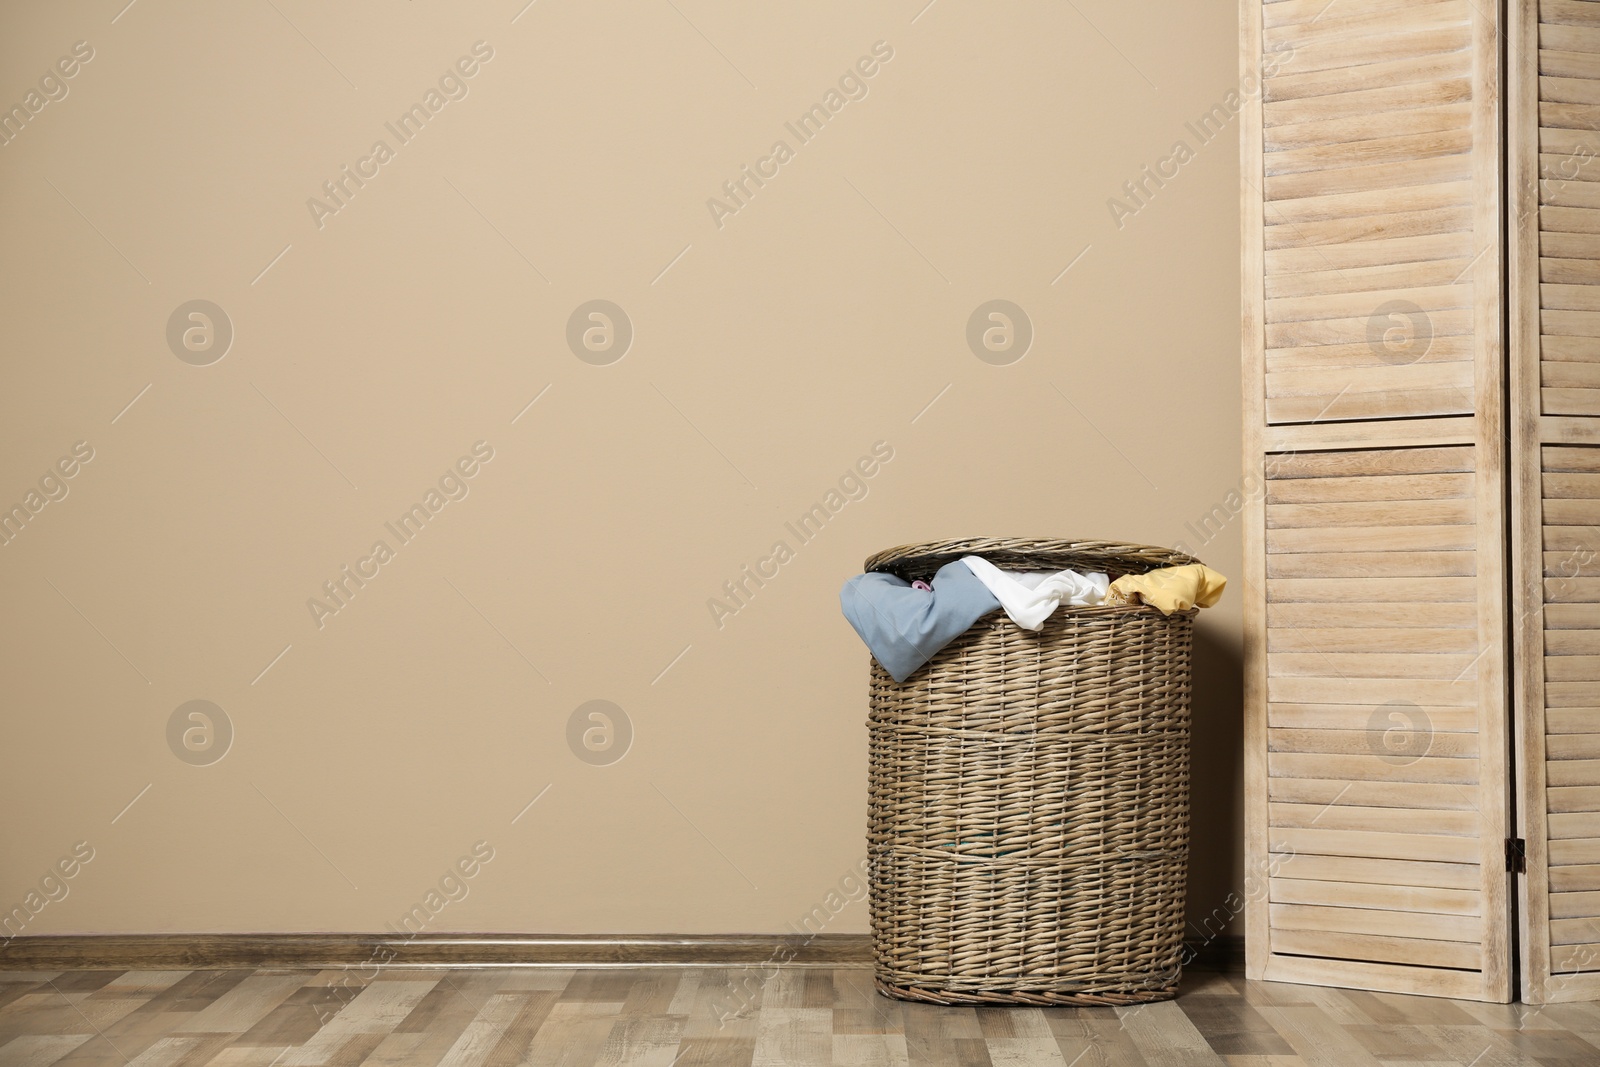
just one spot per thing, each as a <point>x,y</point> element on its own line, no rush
<point>1113,557</point>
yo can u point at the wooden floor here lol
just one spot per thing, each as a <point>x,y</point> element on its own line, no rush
<point>663,1017</point>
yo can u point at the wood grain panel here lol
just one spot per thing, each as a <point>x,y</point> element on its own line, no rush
<point>1376,820</point>
<point>1298,616</point>
<point>1344,687</point>
<point>1394,198</point>
<point>1330,279</point>
<point>1411,951</point>
<point>1376,767</point>
<point>1564,829</point>
<point>1440,744</point>
<point>1400,875</point>
<point>1398,251</point>
<point>1285,490</point>
<point>1377,540</point>
<point>1369,564</point>
<point>1354,717</point>
<point>1575,878</point>
<point>1396,513</point>
<point>1380,897</point>
<point>1369,639</point>
<point>1572,850</point>
<point>1567,205</point>
<point>1554,107</point>
<point>1414,664</point>
<point>1333,792</point>
<point>1375,658</point>
<point>1375,921</point>
<point>1386,977</point>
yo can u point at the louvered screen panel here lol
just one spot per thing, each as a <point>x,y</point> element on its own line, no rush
<point>1369,227</point>
<point>1568,64</point>
<point>1560,742</point>
<point>1377,801</point>
<point>1572,704</point>
<point>1553,113</point>
<point>1375,826</point>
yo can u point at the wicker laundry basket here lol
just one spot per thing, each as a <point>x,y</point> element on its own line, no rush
<point>1029,796</point>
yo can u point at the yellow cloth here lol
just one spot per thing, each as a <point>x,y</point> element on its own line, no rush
<point>1170,588</point>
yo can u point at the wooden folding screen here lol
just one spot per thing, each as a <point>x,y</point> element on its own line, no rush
<point>1553,113</point>
<point>1376,620</point>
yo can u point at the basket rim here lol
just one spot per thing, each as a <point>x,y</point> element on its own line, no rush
<point>1121,557</point>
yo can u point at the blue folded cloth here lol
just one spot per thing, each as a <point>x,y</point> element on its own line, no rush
<point>905,627</point>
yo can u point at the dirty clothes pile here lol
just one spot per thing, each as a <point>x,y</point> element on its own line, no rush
<point>905,624</point>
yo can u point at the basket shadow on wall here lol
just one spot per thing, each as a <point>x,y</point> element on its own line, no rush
<point>1215,908</point>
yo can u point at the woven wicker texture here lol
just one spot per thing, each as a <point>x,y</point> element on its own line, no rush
<point>1029,798</point>
<point>921,561</point>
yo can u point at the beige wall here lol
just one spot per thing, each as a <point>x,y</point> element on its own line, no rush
<point>372,751</point>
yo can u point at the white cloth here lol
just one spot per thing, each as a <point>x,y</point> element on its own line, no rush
<point>1030,597</point>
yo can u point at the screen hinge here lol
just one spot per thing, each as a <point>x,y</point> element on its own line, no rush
<point>1516,855</point>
